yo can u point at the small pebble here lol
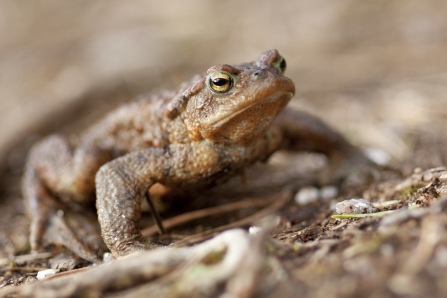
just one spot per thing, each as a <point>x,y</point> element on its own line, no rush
<point>307,195</point>
<point>107,257</point>
<point>253,230</point>
<point>354,206</point>
<point>45,273</point>
<point>30,279</point>
<point>329,192</point>
<point>63,263</point>
<point>377,155</point>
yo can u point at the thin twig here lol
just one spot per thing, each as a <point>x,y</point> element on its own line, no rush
<point>281,199</point>
<point>72,271</point>
<point>23,269</point>
<point>26,258</point>
<point>155,216</point>
<point>339,226</point>
<point>186,217</point>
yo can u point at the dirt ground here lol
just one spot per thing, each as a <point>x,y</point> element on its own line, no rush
<point>374,70</point>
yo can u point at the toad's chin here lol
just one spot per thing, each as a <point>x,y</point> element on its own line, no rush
<point>279,96</point>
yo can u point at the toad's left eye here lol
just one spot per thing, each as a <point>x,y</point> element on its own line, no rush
<point>220,82</point>
<point>280,64</point>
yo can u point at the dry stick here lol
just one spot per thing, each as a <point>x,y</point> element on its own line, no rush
<point>25,258</point>
<point>23,269</point>
<point>186,217</point>
<point>72,271</point>
<point>155,216</point>
<point>281,199</point>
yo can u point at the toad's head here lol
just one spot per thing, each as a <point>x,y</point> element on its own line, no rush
<point>235,103</point>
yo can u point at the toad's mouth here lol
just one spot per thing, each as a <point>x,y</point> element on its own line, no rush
<point>279,96</point>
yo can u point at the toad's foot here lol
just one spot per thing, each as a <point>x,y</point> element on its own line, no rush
<point>54,223</point>
<point>352,173</point>
<point>77,232</point>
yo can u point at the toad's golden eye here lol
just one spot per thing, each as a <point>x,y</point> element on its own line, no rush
<point>220,82</point>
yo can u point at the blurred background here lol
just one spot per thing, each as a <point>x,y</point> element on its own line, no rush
<point>376,70</point>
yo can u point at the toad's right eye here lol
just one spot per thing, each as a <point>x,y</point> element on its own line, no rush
<point>280,64</point>
<point>220,82</point>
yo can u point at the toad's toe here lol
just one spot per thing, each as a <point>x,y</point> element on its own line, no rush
<point>58,224</point>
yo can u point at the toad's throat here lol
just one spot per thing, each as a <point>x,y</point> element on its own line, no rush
<point>278,96</point>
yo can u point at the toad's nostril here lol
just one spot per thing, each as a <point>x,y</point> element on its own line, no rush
<point>259,74</point>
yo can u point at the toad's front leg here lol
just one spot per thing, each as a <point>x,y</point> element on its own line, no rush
<point>120,186</point>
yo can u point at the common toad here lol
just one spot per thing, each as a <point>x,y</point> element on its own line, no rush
<point>205,132</point>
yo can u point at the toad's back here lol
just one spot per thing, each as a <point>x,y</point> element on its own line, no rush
<point>134,126</point>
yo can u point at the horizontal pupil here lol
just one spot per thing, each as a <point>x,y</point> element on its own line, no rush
<point>220,81</point>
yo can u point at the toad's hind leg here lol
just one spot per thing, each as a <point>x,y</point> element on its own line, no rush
<point>349,167</point>
<point>56,171</point>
